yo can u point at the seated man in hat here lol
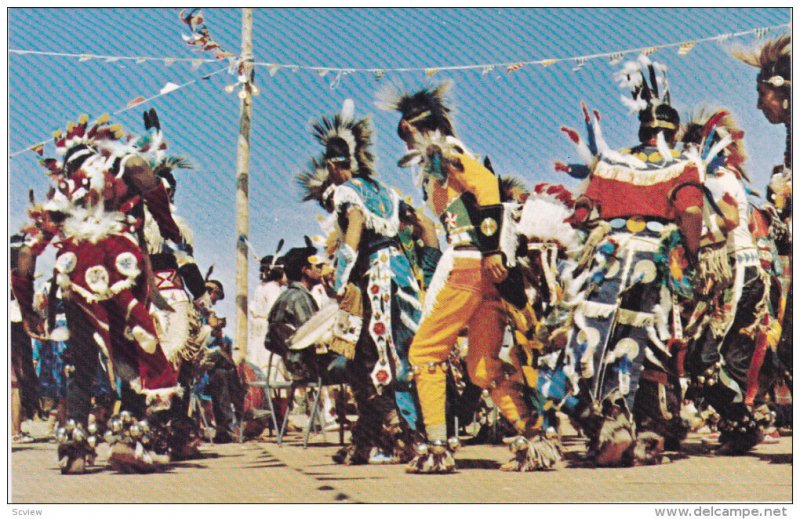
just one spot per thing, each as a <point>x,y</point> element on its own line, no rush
<point>291,310</point>
<point>227,393</point>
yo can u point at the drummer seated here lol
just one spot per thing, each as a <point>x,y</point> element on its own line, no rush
<point>294,307</point>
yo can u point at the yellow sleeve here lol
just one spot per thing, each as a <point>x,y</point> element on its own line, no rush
<point>478,180</point>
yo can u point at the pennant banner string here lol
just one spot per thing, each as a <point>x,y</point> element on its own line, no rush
<point>168,89</point>
<point>87,57</point>
<point>515,65</point>
<point>683,46</point>
<point>320,70</point>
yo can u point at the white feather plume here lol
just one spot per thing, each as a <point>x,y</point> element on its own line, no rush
<point>663,148</point>
<point>543,220</point>
<point>348,110</point>
<point>634,105</point>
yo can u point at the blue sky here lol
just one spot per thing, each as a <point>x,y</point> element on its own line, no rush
<point>514,118</point>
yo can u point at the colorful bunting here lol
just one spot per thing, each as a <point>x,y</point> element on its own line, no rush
<point>203,42</point>
<point>201,37</point>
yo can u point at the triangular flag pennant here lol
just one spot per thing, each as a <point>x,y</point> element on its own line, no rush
<point>141,60</point>
<point>136,101</point>
<point>323,72</point>
<point>273,68</point>
<point>38,148</point>
<point>548,62</point>
<point>487,69</point>
<point>196,63</point>
<point>379,74</point>
<point>515,67</point>
<point>430,72</point>
<point>169,61</point>
<point>615,58</point>
<point>684,48</point>
<point>169,87</point>
<point>293,68</point>
<point>85,57</point>
<point>724,37</point>
<point>760,33</point>
<point>112,60</point>
<point>649,51</point>
<point>580,63</point>
<point>206,77</point>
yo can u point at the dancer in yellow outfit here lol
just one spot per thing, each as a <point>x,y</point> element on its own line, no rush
<point>464,291</point>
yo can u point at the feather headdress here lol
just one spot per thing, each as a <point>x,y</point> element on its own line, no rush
<point>348,139</point>
<point>718,139</point>
<point>427,109</point>
<point>152,147</point>
<point>512,189</point>
<point>315,183</point>
<point>79,141</point>
<point>774,58</point>
<point>650,93</point>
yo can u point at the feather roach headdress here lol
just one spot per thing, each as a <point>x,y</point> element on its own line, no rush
<point>152,147</point>
<point>651,97</point>
<point>718,138</point>
<point>511,188</point>
<point>315,183</point>
<point>80,141</point>
<point>428,109</point>
<point>774,59</point>
<point>347,139</point>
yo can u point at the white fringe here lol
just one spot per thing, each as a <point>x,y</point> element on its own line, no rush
<point>382,226</point>
<point>152,235</point>
<point>596,310</point>
<point>638,177</point>
<point>408,322</point>
<point>409,299</point>
<point>635,319</point>
<point>443,269</point>
<point>509,233</point>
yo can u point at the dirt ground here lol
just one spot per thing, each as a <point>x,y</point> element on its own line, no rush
<point>264,472</point>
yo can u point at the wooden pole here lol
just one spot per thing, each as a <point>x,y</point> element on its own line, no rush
<point>242,182</point>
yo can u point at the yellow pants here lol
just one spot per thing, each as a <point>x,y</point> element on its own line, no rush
<point>469,300</point>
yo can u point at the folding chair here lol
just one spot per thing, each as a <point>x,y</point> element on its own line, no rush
<point>268,386</point>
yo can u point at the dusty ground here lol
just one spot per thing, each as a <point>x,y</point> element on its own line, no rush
<point>256,472</point>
